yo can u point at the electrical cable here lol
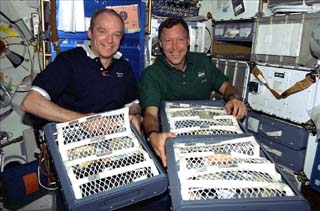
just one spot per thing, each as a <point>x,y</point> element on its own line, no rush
<point>44,157</point>
<point>39,179</point>
<point>16,140</point>
<point>53,26</point>
<point>1,160</point>
<point>207,29</point>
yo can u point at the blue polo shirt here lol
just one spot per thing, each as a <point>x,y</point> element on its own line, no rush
<point>78,82</point>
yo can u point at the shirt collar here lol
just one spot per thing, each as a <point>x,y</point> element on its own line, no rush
<point>162,59</point>
<point>86,47</point>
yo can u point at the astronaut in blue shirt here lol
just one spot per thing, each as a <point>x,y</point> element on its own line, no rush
<point>87,79</point>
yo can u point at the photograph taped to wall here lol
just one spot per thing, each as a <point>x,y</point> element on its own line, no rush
<point>130,16</point>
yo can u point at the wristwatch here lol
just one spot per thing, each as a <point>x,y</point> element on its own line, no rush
<point>236,96</point>
<point>149,133</point>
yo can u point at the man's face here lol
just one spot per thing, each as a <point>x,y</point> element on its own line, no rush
<point>106,35</point>
<point>174,43</point>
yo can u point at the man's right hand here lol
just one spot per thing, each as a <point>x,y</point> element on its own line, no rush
<point>158,141</point>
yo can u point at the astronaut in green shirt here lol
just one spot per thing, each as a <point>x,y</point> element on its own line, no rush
<point>180,75</point>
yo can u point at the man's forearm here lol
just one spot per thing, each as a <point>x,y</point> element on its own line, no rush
<point>135,109</point>
<point>150,124</point>
<point>37,105</point>
<point>228,91</point>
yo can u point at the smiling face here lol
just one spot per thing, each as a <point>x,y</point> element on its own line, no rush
<point>174,42</point>
<point>105,35</point>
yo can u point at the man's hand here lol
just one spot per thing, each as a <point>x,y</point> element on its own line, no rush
<point>100,126</point>
<point>234,105</point>
<point>236,108</point>
<point>136,122</point>
<point>158,141</point>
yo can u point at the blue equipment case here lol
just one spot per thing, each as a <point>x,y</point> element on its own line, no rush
<point>132,45</point>
<point>20,185</point>
<point>315,175</point>
<point>113,198</point>
<point>293,203</point>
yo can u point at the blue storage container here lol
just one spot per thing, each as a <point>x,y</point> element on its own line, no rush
<point>125,190</point>
<point>228,202</point>
<point>315,175</point>
<point>20,185</point>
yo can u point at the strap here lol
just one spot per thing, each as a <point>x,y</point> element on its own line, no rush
<point>53,26</point>
<point>297,87</point>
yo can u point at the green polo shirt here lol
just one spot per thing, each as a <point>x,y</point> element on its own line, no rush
<point>160,81</point>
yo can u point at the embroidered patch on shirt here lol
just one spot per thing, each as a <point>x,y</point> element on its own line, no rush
<point>201,75</point>
<point>105,72</point>
<point>119,75</point>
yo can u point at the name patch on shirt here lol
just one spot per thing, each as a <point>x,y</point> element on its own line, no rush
<point>119,75</point>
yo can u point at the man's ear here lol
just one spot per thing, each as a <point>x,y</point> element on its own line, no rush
<point>89,33</point>
<point>160,43</point>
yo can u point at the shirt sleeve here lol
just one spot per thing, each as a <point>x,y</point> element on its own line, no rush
<point>54,78</point>
<point>217,76</point>
<point>149,89</point>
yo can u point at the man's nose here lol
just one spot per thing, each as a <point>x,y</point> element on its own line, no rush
<point>109,38</point>
<point>174,44</point>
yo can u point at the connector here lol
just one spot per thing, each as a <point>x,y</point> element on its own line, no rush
<point>35,23</point>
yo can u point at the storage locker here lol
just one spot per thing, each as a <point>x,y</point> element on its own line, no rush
<point>291,135</point>
<point>227,173</point>
<point>239,31</point>
<point>272,3</point>
<point>101,167</point>
<point>231,50</point>
<point>294,107</point>
<point>238,73</point>
<point>283,6</point>
<point>285,142</point>
<point>235,9</point>
<point>197,118</point>
<point>310,157</point>
<point>285,40</point>
<point>288,157</point>
<point>315,175</point>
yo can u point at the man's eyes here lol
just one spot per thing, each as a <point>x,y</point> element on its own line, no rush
<point>103,32</point>
<point>178,40</point>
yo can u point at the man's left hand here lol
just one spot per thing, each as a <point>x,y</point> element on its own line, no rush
<point>236,108</point>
